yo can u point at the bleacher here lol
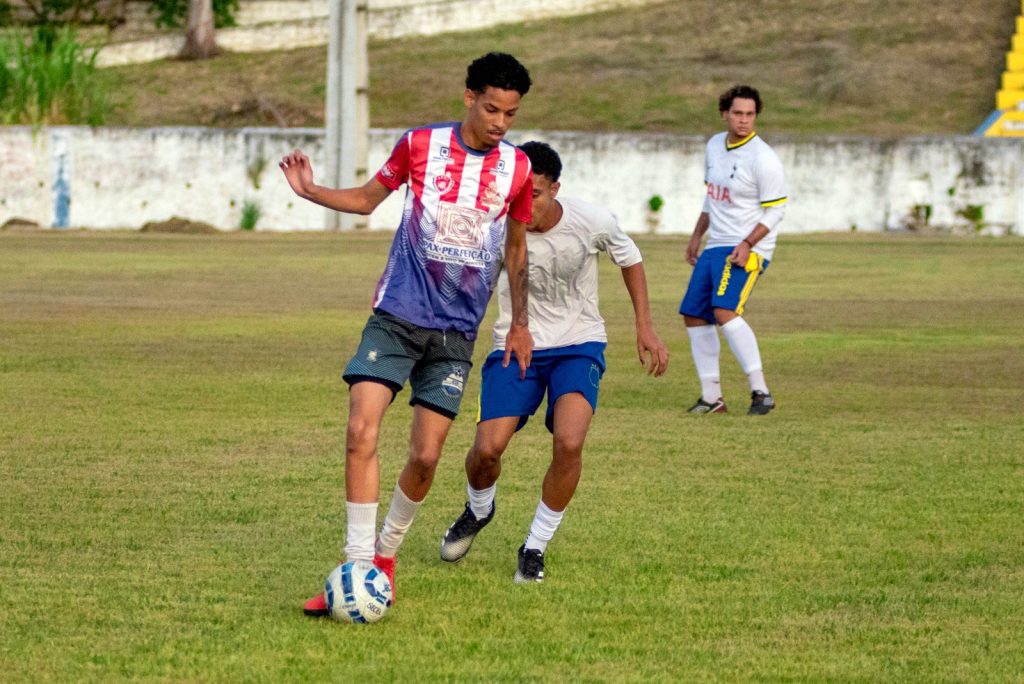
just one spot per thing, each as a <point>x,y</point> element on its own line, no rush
<point>1008,118</point>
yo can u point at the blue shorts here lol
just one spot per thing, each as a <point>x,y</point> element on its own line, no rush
<point>716,284</point>
<point>577,368</point>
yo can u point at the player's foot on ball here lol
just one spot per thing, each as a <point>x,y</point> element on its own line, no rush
<point>531,565</point>
<point>461,534</point>
<point>316,606</point>
<point>760,403</point>
<point>388,566</point>
<point>716,406</point>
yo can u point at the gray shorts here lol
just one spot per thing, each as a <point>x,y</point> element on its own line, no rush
<point>435,362</point>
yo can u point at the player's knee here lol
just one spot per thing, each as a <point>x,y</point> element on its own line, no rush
<point>424,461</point>
<point>723,316</point>
<point>568,450</point>
<point>361,437</point>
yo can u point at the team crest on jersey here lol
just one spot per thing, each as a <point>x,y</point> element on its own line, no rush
<point>443,183</point>
<point>454,383</point>
<point>371,356</point>
<point>492,196</point>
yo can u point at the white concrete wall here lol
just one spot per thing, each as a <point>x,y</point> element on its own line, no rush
<point>123,178</point>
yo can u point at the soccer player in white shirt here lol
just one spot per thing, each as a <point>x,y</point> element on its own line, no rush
<point>563,241</point>
<point>744,202</point>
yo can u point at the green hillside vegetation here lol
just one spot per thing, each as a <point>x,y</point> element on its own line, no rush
<point>824,66</point>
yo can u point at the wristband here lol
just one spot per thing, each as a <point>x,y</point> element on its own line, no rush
<point>749,243</point>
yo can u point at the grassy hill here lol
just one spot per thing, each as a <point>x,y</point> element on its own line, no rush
<point>895,68</point>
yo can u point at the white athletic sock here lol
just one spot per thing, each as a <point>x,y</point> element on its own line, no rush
<point>706,348</point>
<point>743,343</point>
<point>360,527</point>
<point>396,523</point>
<point>481,500</point>
<point>542,529</point>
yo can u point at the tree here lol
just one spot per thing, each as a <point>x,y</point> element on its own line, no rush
<point>199,35</point>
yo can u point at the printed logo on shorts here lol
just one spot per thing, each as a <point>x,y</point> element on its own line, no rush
<point>454,383</point>
<point>595,375</point>
<point>372,356</point>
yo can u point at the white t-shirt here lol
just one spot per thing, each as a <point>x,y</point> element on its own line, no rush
<point>744,186</point>
<point>563,277</point>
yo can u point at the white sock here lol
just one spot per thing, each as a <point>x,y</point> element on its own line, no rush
<point>542,529</point>
<point>396,523</point>
<point>743,343</point>
<point>706,348</point>
<point>360,527</point>
<point>481,500</point>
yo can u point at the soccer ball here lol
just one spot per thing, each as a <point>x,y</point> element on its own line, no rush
<point>357,592</point>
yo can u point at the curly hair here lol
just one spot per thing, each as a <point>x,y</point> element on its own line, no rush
<point>741,91</point>
<point>498,70</point>
<point>544,160</point>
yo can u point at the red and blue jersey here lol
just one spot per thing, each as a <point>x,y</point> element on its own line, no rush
<point>446,255</point>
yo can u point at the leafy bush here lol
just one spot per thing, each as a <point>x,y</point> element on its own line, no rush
<point>250,215</point>
<point>48,77</point>
<point>174,13</point>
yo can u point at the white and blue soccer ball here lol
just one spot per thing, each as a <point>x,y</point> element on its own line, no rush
<point>357,592</point>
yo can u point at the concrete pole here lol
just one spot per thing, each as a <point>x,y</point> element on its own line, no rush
<point>348,109</point>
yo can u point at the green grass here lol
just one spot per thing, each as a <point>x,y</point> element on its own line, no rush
<point>170,460</point>
<point>874,67</point>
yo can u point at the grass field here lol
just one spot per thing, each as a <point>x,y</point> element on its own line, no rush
<point>874,67</point>
<point>170,460</point>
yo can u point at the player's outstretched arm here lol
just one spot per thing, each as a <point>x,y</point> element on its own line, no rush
<point>518,341</point>
<point>362,200</point>
<point>650,349</point>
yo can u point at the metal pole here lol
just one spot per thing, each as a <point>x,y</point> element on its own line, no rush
<point>347,104</point>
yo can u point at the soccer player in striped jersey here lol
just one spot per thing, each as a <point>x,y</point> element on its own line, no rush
<point>467,202</point>
<point>564,240</point>
<point>744,202</point>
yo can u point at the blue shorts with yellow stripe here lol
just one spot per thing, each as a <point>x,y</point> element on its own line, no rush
<point>718,284</point>
<point>555,372</point>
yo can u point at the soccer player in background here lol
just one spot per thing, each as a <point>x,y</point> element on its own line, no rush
<point>744,202</point>
<point>468,199</point>
<point>564,240</point>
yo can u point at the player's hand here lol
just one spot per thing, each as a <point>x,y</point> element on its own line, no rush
<point>740,254</point>
<point>298,172</point>
<point>693,250</point>
<point>518,341</point>
<point>652,352</point>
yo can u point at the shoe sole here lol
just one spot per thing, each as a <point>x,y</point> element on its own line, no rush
<point>523,579</point>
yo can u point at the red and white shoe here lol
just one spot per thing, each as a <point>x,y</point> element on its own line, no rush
<point>316,606</point>
<point>388,566</point>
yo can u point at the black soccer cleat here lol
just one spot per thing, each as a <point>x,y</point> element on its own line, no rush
<point>531,566</point>
<point>760,403</point>
<point>461,534</point>
<point>716,406</point>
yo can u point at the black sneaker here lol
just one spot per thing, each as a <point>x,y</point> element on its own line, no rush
<point>716,406</point>
<point>760,403</point>
<point>461,534</point>
<point>531,565</point>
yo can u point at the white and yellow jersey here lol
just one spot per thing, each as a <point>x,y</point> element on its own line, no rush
<point>745,186</point>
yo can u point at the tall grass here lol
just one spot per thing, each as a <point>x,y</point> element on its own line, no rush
<point>49,77</point>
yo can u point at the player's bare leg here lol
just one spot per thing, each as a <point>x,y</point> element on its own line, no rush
<point>368,402</point>
<point>483,467</point>
<point>572,417</point>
